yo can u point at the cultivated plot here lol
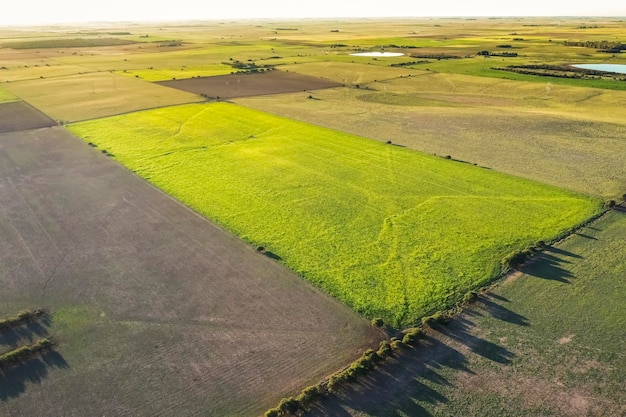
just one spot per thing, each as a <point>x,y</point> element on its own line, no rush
<point>88,96</point>
<point>154,310</point>
<point>18,115</point>
<point>391,232</point>
<point>255,84</point>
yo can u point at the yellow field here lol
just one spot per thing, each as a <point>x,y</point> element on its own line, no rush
<point>95,95</point>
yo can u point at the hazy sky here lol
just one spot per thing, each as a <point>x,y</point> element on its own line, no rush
<point>18,12</point>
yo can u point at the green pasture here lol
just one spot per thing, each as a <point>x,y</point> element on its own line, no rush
<point>550,342</point>
<point>391,232</point>
<point>488,67</point>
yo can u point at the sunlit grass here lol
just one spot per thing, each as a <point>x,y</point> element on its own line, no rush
<point>6,96</point>
<point>165,74</point>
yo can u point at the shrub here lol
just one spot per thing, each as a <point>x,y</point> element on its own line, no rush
<point>470,297</point>
<point>21,317</point>
<point>384,350</point>
<point>288,405</point>
<point>397,344</point>
<point>24,352</point>
<point>435,319</point>
<point>272,412</point>
<point>308,395</point>
<point>333,383</point>
<point>377,322</point>
<point>412,336</point>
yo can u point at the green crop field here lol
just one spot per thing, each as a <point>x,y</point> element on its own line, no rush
<point>391,232</point>
<point>165,74</point>
<point>5,96</point>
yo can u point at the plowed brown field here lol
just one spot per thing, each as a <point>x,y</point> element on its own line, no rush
<point>246,85</point>
<point>18,115</point>
<point>155,310</point>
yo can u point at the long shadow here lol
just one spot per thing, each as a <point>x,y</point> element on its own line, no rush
<point>548,267</point>
<point>416,380</point>
<point>460,331</point>
<point>14,380</point>
<point>272,255</point>
<point>620,208</point>
<point>500,312</point>
<point>560,251</point>
<point>586,236</point>
<point>400,386</point>
<point>25,333</point>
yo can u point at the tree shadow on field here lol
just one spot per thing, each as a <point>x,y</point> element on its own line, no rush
<point>400,386</point>
<point>620,208</point>
<point>272,255</point>
<point>26,332</point>
<point>585,236</point>
<point>499,311</point>
<point>460,331</point>
<point>14,380</point>
<point>549,267</point>
<point>563,252</point>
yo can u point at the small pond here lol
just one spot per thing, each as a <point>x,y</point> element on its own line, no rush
<point>377,54</point>
<point>619,68</point>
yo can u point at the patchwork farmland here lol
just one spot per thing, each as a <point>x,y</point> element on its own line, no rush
<point>207,242</point>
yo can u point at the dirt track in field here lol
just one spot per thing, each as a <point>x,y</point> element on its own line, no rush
<point>156,310</point>
<point>247,85</point>
<point>19,115</point>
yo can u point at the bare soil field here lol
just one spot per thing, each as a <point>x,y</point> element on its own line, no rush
<point>254,84</point>
<point>155,311</point>
<point>18,115</point>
